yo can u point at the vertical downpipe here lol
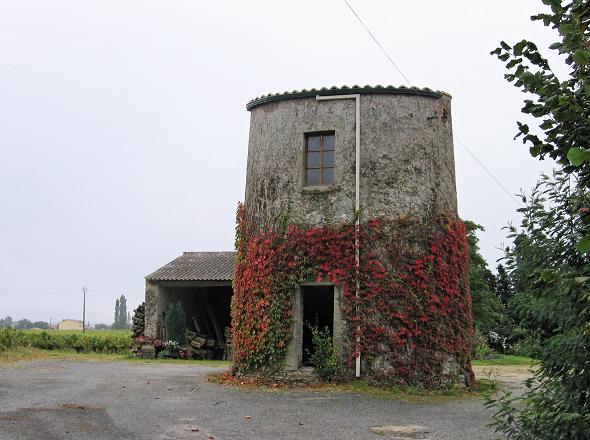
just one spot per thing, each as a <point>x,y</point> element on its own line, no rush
<point>357,214</point>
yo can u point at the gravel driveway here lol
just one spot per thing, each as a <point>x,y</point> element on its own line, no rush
<point>57,399</point>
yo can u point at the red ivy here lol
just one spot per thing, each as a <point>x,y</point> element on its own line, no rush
<point>411,318</point>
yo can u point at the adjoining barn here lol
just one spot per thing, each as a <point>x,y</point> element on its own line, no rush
<point>202,283</point>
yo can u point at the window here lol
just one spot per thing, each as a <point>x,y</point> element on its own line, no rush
<point>319,159</point>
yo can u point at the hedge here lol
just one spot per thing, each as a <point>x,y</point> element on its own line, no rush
<point>81,343</point>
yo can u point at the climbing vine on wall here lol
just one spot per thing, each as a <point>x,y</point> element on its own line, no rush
<point>412,314</point>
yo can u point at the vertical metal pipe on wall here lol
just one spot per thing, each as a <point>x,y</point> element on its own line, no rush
<point>357,205</point>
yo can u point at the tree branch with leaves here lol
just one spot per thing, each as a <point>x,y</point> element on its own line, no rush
<point>562,107</point>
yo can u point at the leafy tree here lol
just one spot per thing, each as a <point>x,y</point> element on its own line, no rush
<point>488,311</point>
<point>23,324</point>
<point>101,327</point>
<point>121,320</point>
<point>562,107</point>
<point>549,259</point>
<point>6,322</point>
<point>553,280</point>
<point>175,324</point>
<point>116,320</point>
<point>503,285</point>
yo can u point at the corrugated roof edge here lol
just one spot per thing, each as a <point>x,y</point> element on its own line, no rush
<point>344,90</point>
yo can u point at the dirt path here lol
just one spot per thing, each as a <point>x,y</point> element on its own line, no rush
<point>511,377</point>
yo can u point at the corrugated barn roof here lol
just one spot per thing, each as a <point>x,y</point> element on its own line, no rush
<point>198,266</point>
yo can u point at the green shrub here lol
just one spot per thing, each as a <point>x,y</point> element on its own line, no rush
<point>481,351</point>
<point>41,340</point>
<point>480,348</point>
<point>175,323</point>
<point>54,340</point>
<point>12,338</point>
<point>163,354</point>
<point>323,357</point>
<point>530,346</point>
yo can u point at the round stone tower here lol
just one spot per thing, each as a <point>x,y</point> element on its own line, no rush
<point>406,155</point>
<point>376,165</point>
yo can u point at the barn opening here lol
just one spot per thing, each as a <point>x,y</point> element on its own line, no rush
<point>207,315</point>
<point>318,311</point>
<point>202,283</point>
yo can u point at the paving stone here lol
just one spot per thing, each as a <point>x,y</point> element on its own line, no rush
<point>402,432</point>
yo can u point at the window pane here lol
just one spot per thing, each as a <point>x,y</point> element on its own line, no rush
<point>313,177</point>
<point>329,141</point>
<point>313,143</point>
<point>328,174</point>
<point>328,159</point>
<point>313,160</point>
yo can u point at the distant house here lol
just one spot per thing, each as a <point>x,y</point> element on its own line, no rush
<point>69,324</point>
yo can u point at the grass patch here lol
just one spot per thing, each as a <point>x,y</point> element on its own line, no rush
<point>485,386</point>
<point>20,354</point>
<point>506,359</point>
<point>412,394</point>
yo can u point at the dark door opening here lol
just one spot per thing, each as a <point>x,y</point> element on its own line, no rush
<point>208,317</point>
<point>318,310</point>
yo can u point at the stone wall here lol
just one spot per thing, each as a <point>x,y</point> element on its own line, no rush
<point>152,300</point>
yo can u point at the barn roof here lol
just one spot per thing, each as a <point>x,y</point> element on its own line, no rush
<point>343,90</point>
<point>197,266</point>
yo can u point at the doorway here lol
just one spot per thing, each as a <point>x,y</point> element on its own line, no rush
<point>318,311</point>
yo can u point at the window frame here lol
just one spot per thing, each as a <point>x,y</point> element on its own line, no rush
<point>322,152</point>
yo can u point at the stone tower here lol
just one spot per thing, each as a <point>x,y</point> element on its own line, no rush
<point>406,154</point>
<point>378,161</point>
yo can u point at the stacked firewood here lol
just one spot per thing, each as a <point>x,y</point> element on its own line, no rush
<point>203,344</point>
<point>138,321</point>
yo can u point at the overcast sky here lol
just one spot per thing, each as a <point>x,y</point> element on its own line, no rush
<point>124,133</point>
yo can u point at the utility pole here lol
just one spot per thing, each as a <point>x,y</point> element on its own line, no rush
<point>84,290</point>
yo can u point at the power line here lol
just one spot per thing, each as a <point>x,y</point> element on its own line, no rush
<point>378,44</point>
<point>473,156</point>
<point>514,199</point>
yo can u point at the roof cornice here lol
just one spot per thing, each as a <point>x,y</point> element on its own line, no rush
<point>344,90</point>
